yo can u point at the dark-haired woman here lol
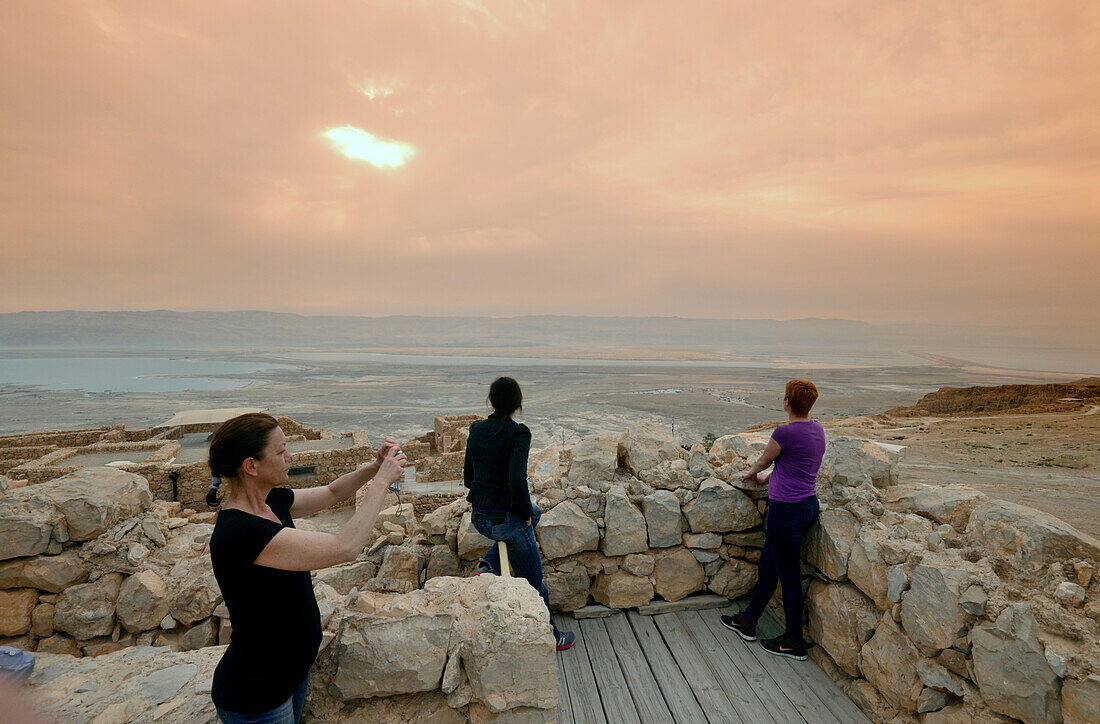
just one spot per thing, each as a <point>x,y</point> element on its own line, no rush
<point>797,449</point>
<point>495,471</point>
<point>262,564</point>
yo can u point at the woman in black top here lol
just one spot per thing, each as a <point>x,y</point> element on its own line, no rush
<point>495,471</point>
<point>262,563</point>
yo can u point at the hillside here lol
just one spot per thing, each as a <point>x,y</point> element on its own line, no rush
<point>1004,399</point>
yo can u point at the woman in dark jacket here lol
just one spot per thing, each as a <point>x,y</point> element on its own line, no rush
<point>495,471</point>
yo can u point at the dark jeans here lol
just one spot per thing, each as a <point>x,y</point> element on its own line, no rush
<point>523,549</point>
<point>289,712</point>
<point>780,562</point>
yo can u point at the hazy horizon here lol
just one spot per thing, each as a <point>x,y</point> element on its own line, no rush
<point>904,163</point>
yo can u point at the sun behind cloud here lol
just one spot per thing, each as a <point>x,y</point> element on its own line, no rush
<point>360,145</point>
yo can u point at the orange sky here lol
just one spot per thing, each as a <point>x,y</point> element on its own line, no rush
<point>921,162</point>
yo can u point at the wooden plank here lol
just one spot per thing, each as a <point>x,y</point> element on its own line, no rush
<point>777,686</point>
<point>614,693</point>
<point>691,603</point>
<point>565,709</point>
<point>708,692</point>
<point>737,688</point>
<point>594,611</point>
<point>830,694</point>
<point>674,687</point>
<point>644,690</point>
<point>584,697</point>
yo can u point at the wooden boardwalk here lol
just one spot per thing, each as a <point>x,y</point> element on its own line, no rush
<point>687,667</point>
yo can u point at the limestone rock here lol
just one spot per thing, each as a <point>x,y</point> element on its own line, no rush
<point>544,464</point>
<point>640,564</point>
<point>734,579</point>
<point>939,677</point>
<point>16,606</point>
<point>87,610</point>
<point>193,591</point>
<point>709,541</point>
<point>26,528</point>
<point>841,620</point>
<point>345,577</point>
<point>204,633</point>
<point>852,462</point>
<point>867,568</point>
<point>1011,670</point>
<point>389,645</point>
<point>42,620</point>
<point>471,544</point>
<point>888,660</point>
<point>59,644</point>
<point>565,530</point>
<point>677,574</point>
<point>568,590</point>
<point>829,542</point>
<point>435,522</point>
<point>622,590</point>
<point>730,448</point>
<point>400,564</point>
<point>720,508</point>
<point>91,500</point>
<point>946,504</point>
<point>142,602</point>
<point>662,519</point>
<point>1081,700</point>
<point>136,684</point>
<point>930,610</point>
<point>441,562</point>
<point>594,460</point>
<point>624,527</point>
<point>1027,537</point>
<point>401,516</point>
<point>642,448</point>
<point>1070,594</point>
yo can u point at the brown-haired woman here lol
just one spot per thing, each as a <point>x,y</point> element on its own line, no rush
<point>797,449</point>
<point>262,563</point>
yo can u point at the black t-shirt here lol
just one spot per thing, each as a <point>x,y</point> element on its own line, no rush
<point>276,624</point>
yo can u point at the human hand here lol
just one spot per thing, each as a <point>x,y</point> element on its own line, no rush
<point>749,477</point>
<point>393,466</point>
<point>388,444</point>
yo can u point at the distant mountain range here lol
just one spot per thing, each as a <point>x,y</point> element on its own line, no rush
<point>272,331</point>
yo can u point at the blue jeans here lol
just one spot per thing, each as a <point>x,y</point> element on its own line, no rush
<point>781,561</point>
<point>523,549</point>
<point>289,712</point>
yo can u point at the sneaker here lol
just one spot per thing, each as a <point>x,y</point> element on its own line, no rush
<point>482,567</point>
<point>744,628</point>
<point>565,639</point>
<point>782,646</point>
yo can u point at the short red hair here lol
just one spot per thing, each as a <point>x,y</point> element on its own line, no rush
<point>801,394</point>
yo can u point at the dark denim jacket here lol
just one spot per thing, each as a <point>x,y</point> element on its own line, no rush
<point>495,470</point>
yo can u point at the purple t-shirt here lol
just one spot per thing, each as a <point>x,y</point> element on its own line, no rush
<point>795,474</point>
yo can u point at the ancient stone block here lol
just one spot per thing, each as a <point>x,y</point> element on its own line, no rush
<point>87,610</point>
<point>841,620</point>
<point>677,574</point>
<point>888,660</point>
<point>734,579</point>
<point>1010,669</point>
<point>142,602</point>
<point>16,606</point>
<point>622,590</point>
<point>565,530</point>
<point>829,542</point>
<point>662,519</point>
<point>624,527</point>
<point>930,609</point>
<point>1027,537</point>
<point>720,508</point>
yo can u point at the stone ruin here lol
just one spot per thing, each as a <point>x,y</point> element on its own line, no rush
<point>173,472</point>
<point>929,604</point>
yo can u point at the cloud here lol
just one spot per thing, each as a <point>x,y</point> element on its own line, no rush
<point>355,143</point>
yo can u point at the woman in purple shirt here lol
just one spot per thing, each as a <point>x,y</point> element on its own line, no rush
<point>797,449</point>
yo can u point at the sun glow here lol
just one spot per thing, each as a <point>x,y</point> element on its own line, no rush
<point>355,143</point>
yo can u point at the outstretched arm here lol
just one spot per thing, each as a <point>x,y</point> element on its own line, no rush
<point>301,550</point>
<point>308,501</point>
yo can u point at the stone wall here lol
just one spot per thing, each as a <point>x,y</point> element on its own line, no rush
<point>449,431</point>
<point>447,653</point>
<point>926,604</point>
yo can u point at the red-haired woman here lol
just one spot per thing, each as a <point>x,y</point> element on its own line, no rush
<point>262,563</point>
<point>797,449</point>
